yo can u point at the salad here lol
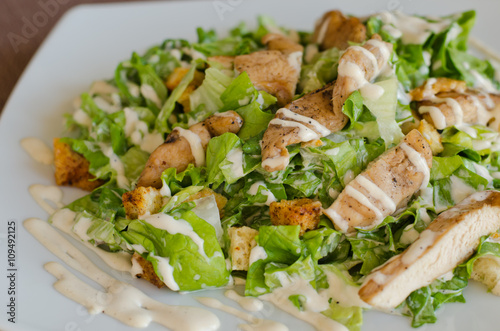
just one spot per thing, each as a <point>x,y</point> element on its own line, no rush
<point>308,163</point>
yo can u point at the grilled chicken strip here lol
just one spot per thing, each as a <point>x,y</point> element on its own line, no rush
<point>357,67</point>
<point>445,102</point>
<point>333,29</point>
<point>275,70</point>
<point>183,147</point>
<point>307,118</point>
<point>448,241</point>
<point>313,116</point>
<point>386,185</point>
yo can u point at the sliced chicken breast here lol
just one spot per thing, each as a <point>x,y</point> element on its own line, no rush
<point>357,67</point>
<point>305,119</point>
<point>448,241</point>
<point>183,147</point>
<point>386,185</point>
<point>333,29</point>
<point>445,102</point>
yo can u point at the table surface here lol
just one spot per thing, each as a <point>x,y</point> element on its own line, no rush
<point>24,24</point>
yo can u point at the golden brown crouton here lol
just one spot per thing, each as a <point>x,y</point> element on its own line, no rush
<point>487,271</point>
<point>242,242</point>
<point>432,136</point>
<point>141,201</point>
<point>72,169</point>
<point>304,212</point>
<point>434,86</point>
<point>335,30</point>
<point>174,80</point>
<point>206,192</point>
<point>148,272</point>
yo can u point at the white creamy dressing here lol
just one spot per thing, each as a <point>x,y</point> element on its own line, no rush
<point>149,93</point>
<point>419,162</point>
<point>354,71</point>
<point>151,141</point>
<point>195,143</point>
<point>322,30</point>
<point>134,128</point>
<point>133,89</point>
<point>425,240</point>
<point>206,209</point>
<point>455,107</point>
<point>304,119</point>
<point>136,268</point>
<point>106,105</point>
<point>255,188</point>
<point>447,276</point>
<point>437,116</point>
<point>256,324</point>
<point>116,164</point>
<point>483,172</point>
<point>81,227</point>
<point>314,304</point>
<point>348,176</point>
<point>409,235</point>
<point>358,75</point>
<point>171,225</point>
<point>248,303</point>
<point>166,271</point>
<point>411,29</point>
<point>424,216</point>
<point>377,193</point>
<point>63,220</point>
<point>102,87</point>
<point>460,189</point>
<point>362,199</point>
<point>38,150</point>
<point>48,197</point>
<point>118,300</point>
<point>341,292</point>
<point>257,253</point>
<point>138,132</point>
<point>371,91</point>
<point>295,61</point>
<point>304,134</point>
<point>482,82</point>
<point>235,156</point>
<point>82,118</point>
<point>310,51</point>
<point>276,162</point>
<point>339,221</point>
<point>333,193</point>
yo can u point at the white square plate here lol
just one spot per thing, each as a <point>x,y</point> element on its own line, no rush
<point>86,45</point>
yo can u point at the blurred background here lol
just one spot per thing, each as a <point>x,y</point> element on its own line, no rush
<point>24,24</point>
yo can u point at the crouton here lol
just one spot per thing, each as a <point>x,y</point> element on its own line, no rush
<point>219,199</point>
<point>303,212</point>
<point>141,201</point>
<point>72,169</point>
<point>242,242</point>
<point>174,80</point>
<point>487,271</point>
<point>142,268</point>
<point>432,136</point>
